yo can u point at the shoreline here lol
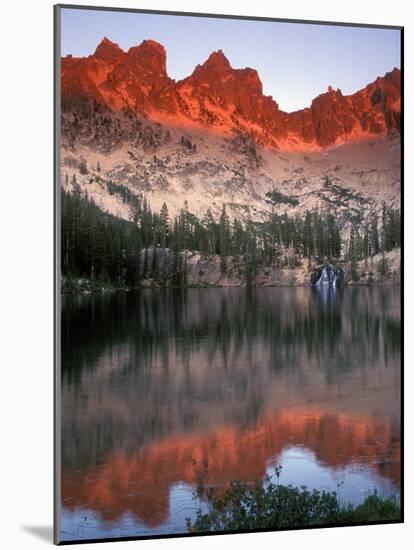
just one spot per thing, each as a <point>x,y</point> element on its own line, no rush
<point>146,287</point>
<point>200,271</point>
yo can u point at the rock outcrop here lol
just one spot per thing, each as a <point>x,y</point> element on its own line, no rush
<point>227,100</point>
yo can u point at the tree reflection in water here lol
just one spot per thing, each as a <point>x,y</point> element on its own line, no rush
<point>154,380</point>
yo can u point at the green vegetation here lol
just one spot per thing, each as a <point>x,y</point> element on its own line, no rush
<point>96,245</point>
<point>127,196</point>
<point>110,251</point>
<point>276,197</point>
<point>271,505</point>
<point>338,196</point>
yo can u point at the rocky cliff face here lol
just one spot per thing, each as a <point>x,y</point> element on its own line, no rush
<point>225,100</point>
<point>334,118</point>
<point>214,139</point>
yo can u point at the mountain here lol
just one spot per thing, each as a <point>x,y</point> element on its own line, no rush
<point>227,101</point>
<point>129,132</point>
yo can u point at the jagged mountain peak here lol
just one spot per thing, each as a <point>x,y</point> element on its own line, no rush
<point>150,50</point>
<point>218,66</point>
<point>149,47</point>
<point>228,100</point>
<point>217,59</point>
<point>108,50</point>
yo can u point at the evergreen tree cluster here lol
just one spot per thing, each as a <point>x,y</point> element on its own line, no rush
<point>276,197</point>
<point>127,196</point>
<point>378,234</point>
<point>110,250</point>
<point>97,245</point>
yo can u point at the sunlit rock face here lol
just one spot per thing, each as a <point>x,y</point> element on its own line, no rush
<point>214,138</point>
<point>228,100</point>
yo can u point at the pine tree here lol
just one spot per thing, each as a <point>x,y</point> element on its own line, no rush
<point>308,240</point>
<point>224,239</point>
<point>250,251</point>
<point>354,252</point>
<point>164,225</point>
<point>374,238</point>
<point>210,225</point>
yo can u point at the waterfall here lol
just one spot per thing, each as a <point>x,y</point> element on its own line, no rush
<point>328,277</point>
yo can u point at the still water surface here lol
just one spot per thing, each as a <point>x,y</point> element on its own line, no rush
<point>157,384</point>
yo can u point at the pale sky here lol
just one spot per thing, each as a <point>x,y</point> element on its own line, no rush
<point>296,62</point>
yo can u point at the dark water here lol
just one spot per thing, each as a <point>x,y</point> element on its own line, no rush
<point>157,384</point>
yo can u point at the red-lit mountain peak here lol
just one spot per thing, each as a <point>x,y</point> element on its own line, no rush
<point>217,60</point>
<point>217,71</point>
<point>228,100</point>
<point>149,57</point>
<point>108,51</point>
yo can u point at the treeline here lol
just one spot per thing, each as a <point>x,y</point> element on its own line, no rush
<point>374,238</point>
<point>97,245</point>
<point>105,248</point>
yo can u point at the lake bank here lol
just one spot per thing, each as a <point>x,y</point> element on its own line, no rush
<point>200,271</point>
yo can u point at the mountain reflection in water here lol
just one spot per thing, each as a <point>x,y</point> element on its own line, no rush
<point>158,383</point>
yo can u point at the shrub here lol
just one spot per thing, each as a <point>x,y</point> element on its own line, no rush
<point>260,505</point>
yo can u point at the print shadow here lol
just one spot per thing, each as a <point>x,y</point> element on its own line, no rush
<point>43,532</point>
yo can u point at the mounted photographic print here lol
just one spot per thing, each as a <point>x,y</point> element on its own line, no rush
<point>228,280</point>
